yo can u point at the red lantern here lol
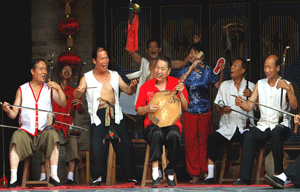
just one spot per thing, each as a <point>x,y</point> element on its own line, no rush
<point>68,27</point>
<point>69,58</point>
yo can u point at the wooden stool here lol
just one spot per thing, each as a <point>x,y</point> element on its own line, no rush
<point>260,165</point>
<point>111,166</point>
<point>289,146</point>
<point>225,163</point>
<point>85,177</point>
<point>147,169</point>
<point>25,178</point>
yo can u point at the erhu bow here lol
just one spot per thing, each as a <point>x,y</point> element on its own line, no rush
<point>280,119</point>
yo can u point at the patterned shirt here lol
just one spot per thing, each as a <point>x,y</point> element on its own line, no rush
<point>69,109</point>
<point>197,85</point>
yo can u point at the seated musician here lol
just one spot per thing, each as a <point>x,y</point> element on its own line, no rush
<point>34,134</point>
<point>103,114</point>
<point>156,136</point>
<point>70,142</point>
<point>268,92</point>
<point>292,173</point>
<point>232,124</point>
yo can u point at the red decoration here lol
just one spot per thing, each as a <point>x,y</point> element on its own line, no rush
<point>69,58</point>
<point>68,27</point>
<point>132,36</point>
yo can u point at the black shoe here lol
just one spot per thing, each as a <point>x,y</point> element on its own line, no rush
<point>241,182</point>
<point>55,183</point>
<point>209,181</point>
<point>13,185</point>
<point>171,182</point>
<point>71,182</point>
<point>97,183</point>
<point>155,182</point>
<point>136,183</point>
<point>274,181</point>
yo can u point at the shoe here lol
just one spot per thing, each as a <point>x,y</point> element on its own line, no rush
<point>274,181</point>
<point>195,180</point>
<point>71,182</point>
<point>97,183</point>
<point>241,182</point>
<point>13,185</point>
<point>171,182</point>
<point>136,183</point>
<point>209,181</point>
<point>55,183</point>
<point>155,182</point>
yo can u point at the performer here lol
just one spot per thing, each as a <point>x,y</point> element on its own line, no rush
<point>156,136</point>
<point>102,114</point>
<point>197,119</point>
<point>268,92</point>
<point>70,143</point>
<point>33,133</point>
<point>232,124</point>
<point>148,66</point>
<point>292,173</point>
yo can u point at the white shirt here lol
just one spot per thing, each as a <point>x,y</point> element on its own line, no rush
<point>145,72</point>
<point>270,96</point>
<point>229,122</point>
<point>29,120</point>
<point>93,96</point>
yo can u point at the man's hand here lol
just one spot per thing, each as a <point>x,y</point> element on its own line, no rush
<point>134,82</point>
<point>53,85</point>
<point>151,108</point>
<point>227,110</point>
<point>196,39</point>
<point>78,92</point>
<point>247,92</point>
<point>6,107</point>
<point>179,87</point>
<point>282,84</point>
<point>239,101</point>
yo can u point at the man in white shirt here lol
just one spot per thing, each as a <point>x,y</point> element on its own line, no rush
<point>232,124</point>
<point>268,92</point>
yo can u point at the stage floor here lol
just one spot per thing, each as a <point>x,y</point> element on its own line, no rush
<point>161,188</point>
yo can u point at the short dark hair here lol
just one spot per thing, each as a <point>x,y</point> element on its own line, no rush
<point>244,63</point>
<point>166,59</point>
<point>35,61</point>
<point>196,46</point>
<point>95,51</point>
<point>153,40</point>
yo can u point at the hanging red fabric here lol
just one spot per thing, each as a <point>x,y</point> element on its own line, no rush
<point>132,36</point>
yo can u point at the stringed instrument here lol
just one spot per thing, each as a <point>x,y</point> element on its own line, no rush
<point>168,104</point>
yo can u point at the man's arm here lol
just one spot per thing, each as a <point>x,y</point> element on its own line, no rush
<point>128,89</point>
<point>13,112</point>
<point>176,64</point>
<point>80,89</point>
<point>58,94</point>
<point>135,57</point>
<point>221,79</point>
<point>246,105</point>
<point>289,91</point>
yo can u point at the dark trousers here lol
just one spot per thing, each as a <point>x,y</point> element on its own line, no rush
<point>255,138</point>
<point>216,141</point>
<point>124,149</point>
<point>293,172</point>
<point>169,136</point>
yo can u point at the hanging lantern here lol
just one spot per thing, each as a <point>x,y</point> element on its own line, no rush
<point>69,58</point>
<point>68,26</point>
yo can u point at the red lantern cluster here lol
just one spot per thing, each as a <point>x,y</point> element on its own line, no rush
<point>69,58</point>
<point>68,27</point>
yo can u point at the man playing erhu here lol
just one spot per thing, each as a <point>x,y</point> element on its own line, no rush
<point>34,134</point>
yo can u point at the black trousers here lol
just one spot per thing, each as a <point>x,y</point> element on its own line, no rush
<point>169,136</point>
<point>124,149</point>
<point>293,172</point>
<point>216,141</point>
<point>255,138</point>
